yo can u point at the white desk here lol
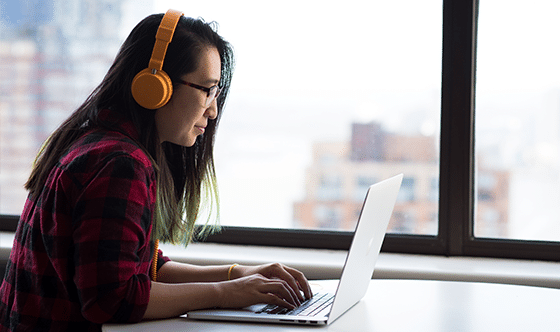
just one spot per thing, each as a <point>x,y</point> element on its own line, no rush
<point>415,305</point>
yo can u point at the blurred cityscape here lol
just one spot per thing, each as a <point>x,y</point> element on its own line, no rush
<point>53,53</point>
<point>337,181</point>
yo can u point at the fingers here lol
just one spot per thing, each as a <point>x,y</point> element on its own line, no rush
<point>278,292</point>
<point>302,283</point>
<point>284,273</point>
<point>277,283</point>
<point>272,299</point>
<point>294,278</point>
<point>259,289</point>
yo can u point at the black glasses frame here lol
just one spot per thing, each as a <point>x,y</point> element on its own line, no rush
<point>211,93</point>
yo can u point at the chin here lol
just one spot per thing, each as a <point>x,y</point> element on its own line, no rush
<point>190,143</point>
<point>186,143</point>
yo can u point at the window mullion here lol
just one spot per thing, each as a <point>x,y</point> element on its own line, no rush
<point>457,124</point>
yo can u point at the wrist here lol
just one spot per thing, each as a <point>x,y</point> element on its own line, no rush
<point>219,294</point>
<point>230,271</point>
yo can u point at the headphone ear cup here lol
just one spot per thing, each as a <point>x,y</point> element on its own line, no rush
<point>151,90</point>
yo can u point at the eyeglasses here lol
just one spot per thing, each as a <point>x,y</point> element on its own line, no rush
<point>211,93</point>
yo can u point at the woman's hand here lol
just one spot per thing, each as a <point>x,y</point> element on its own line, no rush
<point>256,289</point>
<point>294,279</point>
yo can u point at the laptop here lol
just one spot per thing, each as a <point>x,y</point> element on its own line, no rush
<point>356,274</point>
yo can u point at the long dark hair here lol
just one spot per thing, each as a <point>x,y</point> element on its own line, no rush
<point>186,175</point>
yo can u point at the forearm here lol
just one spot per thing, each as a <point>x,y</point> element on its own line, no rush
<point>179,288</point>
<point>173,272</point>
<point>172,300</point>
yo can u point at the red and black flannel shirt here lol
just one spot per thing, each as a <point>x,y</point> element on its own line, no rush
<point>82,250</point>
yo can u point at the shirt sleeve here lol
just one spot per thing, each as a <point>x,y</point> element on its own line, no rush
<point>112,218</point>
<point>161,259</point>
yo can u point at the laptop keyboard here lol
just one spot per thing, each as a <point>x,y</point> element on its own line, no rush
<point>311,307</point>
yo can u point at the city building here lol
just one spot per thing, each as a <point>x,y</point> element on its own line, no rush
<point>18,119</point>
<point>52,55</point>
<point>341,172</point>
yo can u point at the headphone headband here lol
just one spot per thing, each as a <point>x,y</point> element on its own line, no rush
<point>163,38</point>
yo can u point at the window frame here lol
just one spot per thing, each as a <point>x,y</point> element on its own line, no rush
<point>456,203</point>
<point>457,192</point>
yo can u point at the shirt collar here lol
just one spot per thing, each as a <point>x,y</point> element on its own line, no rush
<point>119,122</point>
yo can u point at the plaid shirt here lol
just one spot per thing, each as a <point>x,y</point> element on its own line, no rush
<point>82,250</point>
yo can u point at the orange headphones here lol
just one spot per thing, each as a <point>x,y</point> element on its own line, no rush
<point>152,87</point>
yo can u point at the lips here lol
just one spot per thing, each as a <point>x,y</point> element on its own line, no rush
<point>201,129</point>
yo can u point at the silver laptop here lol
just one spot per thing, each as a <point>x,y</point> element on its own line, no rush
<point>324,308</point>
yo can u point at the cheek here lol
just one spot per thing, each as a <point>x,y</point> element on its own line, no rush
<point>187,107</point>
<point>188,116</point>
<point>181,111</point>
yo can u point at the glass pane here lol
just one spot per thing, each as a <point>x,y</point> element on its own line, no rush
<point>518,120</point>
<point>52,55</point>
<point>327,99</point>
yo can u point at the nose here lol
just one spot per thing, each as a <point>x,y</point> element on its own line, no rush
<point>212,110</point>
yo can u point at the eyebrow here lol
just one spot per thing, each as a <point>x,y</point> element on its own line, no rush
<point>212,81</point>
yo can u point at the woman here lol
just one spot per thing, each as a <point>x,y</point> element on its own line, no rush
<point>117,177</point>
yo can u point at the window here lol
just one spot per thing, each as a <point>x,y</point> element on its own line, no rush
<point>330,95</point>
<point>518,121</point>
<point>325,99</point>
<point>406,193</point>
<point>327,81</point>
